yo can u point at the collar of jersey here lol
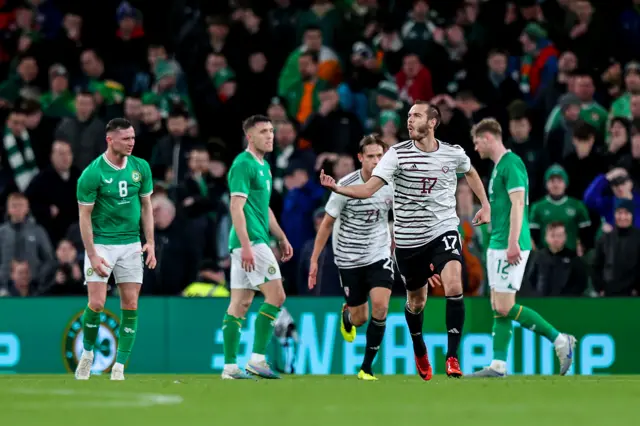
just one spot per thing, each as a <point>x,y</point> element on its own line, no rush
<point>104,157</point>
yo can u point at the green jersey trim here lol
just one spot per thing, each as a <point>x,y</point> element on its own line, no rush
<point>113,166</point>
<point>85,204</point>
<point>239,194</point>
<point>516,189</point>
<point>148,194</point>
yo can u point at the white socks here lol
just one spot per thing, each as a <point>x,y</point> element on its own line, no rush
<point>499,366</point>
<point>257,358</point>
<point>560,340</point>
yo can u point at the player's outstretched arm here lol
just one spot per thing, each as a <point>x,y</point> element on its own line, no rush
<point>86,232</point>
<point>148,229</point>
<point>476,185</point>
<point>361,191</point>
<point>276,231</point>
<point>324,231</point>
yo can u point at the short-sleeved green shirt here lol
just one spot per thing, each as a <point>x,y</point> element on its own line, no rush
<point>115,194</point>
<point>251,179</point>
<point>509,175</point>
<point>570,211</point>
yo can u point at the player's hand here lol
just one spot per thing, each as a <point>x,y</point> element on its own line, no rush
<point>248,261</point>
<point>150,249</point>
<point>435,279</point>
<point>99,265</point>
<point>286,250</point>
<point>483,216</point>
<point>313,274</point>
<point>513,254</point>
<point>327,181</point>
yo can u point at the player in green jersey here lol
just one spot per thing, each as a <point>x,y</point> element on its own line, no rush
<point>253,264</point>
<point>509,248</point>
<point>114,194</point>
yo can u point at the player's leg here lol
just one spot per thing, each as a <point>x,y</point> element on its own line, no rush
<point>355,310</point>
<point>242,295</point>
<point>267,278</point>
<point>97,296</point>
<point>127,270</point>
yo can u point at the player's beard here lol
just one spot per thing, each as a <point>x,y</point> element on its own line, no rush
<point>421,132</point>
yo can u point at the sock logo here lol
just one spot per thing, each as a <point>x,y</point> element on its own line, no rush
<point>105,348</point>
<point>453,331</point>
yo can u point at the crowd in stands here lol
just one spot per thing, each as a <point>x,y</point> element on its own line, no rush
<point>561,76</point>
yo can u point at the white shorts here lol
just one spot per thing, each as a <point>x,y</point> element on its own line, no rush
<point>266,268</point>
<point>125,260</point>
<point>505,278</point>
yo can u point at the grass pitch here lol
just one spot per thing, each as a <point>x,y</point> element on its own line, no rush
<point>161,400</point>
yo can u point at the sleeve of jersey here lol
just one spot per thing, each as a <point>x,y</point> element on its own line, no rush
<point>147,181</point>
<point>516,179</point>
<point>239,180</point>
<point>334,205</point>
<point>584,221</point>
<point>387,166</point>
<point>87,189</point>
<point>464,164</point>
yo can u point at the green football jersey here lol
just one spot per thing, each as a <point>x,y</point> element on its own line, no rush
<point>509,175</point>
<point>570,211</point>
<point>115,194</point>
<point>251,179</point>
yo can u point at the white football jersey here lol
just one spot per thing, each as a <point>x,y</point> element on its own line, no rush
<point>361,230</point>
<point>424,190</point>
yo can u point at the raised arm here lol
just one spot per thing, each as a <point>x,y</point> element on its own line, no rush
<point>364,190</point>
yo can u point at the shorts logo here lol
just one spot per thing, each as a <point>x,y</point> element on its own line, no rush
<point>89,272</point>
<point>346,291</point>
<point>271,270</point>
<point>106,343</point>
<point>136,176</point>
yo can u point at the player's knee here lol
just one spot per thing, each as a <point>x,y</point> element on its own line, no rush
<point>503,308</point>
<point>130,305</point>
<point>417,302</point>
<point>96,305</point>
<point>276,298</point>
<point>379,309</point>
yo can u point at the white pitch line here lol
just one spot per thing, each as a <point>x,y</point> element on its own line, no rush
<point>115,399</point>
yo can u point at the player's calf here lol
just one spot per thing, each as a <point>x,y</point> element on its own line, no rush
<point>377,325</point>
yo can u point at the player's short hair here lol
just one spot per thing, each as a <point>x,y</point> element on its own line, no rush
<point>554,225</point>
<point>253,120</point>
<point>16,196</point>
<point>372,139</point>
<point>432,111</point>
<point>118,124</point>
<point>487,125</point>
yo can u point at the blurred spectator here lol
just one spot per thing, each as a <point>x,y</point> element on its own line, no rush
<point>556,269</point>
<point>177,257</point>
<point>619,140</point>
<point>98,81</point>
<point>303,94</point>
<point>549,96</point>
<point>621,107</point>
<point>496,87</point>
<point>152,130</point>
<point>606,191</point>
<point>323,15</point>
<point>52,194</point>
<point>16,152</point>
<point>418,29</point>
<point>585,163</point>
<point>58,102</point>
<point>209,283</point>
<point>558,208</point>
<point>414,80</point>
<point>24,78</point>
<point>22,238</point>
<point>631,161</point>
<point>170,154</point>
<point>628,29</point>
<point>285,151</point>
<point>40,129</point>
<point>65,273</point>
<point>133,112</point>
<point>615,263</point>
<point>21,284</point>
<point>328,279</point>
<point>84,132</point>
<point>539,63</point>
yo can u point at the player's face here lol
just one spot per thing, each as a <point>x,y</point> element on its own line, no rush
<point>556,238</point>
<point>122,141</point>
<point>370,157</point>
<point>261,136</point>
<point>481,144</point>
<point>418,123</point>
<point>556,186</point>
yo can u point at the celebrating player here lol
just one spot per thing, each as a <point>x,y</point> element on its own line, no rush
<point>509,249</point>
<point>362,250</point>
<point>423,173</point>
<point>253,265</point>
<point>113,195</point>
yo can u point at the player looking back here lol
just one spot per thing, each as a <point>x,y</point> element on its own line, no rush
<point>509,249</point>
<point>114,193</point>
<point>423,172</point>
<point>362,252</point>
<point>253,265</point>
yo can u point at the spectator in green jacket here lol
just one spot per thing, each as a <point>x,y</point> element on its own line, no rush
<point>58,102</point>
<point>621,107</point>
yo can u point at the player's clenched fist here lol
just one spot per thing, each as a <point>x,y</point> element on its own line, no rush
<point>99,265</point>
<point>327,181</point>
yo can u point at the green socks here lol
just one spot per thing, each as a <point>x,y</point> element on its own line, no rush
<point>528,318</point>
<point>90,327</point>
<point>264,327</point>
<point>231,338</point>
<point>502,330</point>
<point>128,329</point>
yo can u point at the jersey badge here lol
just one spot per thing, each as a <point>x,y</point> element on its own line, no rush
<point>445,169</point>
<point>136,176</point>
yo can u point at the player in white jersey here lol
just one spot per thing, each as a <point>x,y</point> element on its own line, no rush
<point>362,252</point>
<point>423,172</point>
